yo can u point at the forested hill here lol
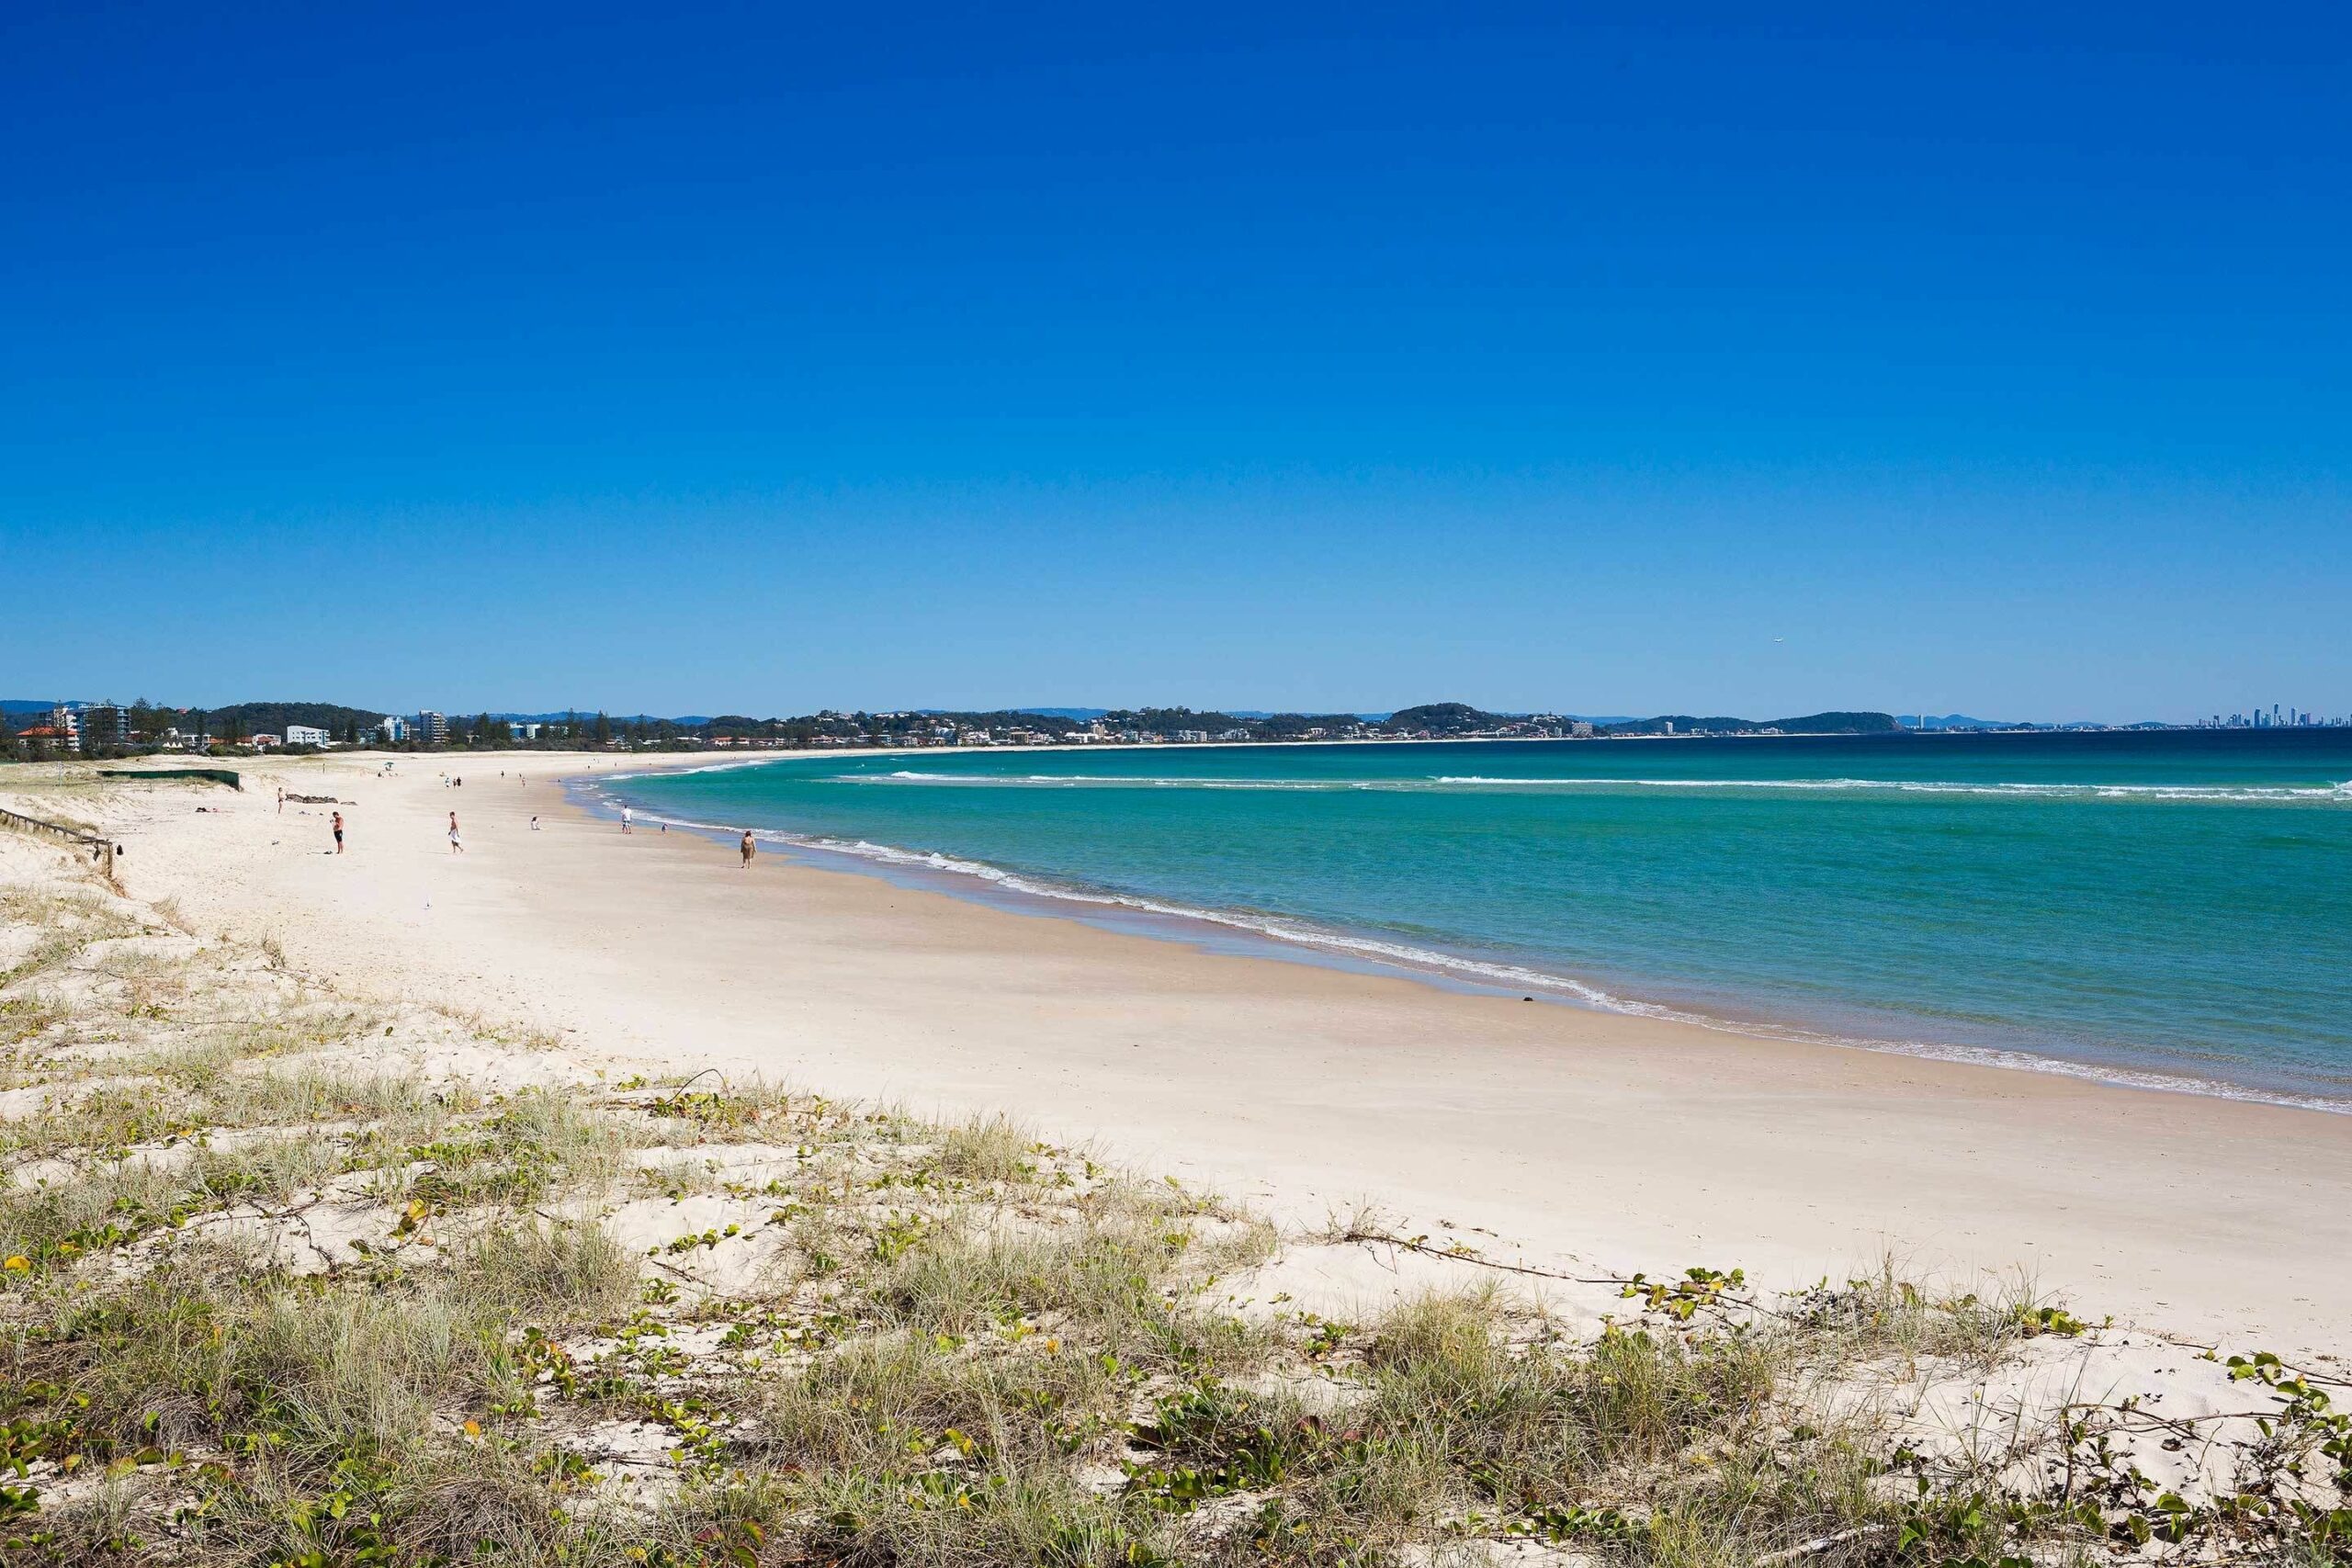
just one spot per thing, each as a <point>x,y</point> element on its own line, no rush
<point>1444,718</point>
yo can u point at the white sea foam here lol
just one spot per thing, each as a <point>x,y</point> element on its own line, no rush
<point>1512,976</point>
<point>2252,793</point>
<point>728,766</point>
<point>906,775</point>
<point>2249,794</point>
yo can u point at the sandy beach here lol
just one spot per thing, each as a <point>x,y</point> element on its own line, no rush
<point>1544,1134</point>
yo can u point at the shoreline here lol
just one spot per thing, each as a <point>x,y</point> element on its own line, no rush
<point>1301,941</point>
<point>1566,1135</point>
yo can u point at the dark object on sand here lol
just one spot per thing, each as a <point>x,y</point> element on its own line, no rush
<point>180,775</point>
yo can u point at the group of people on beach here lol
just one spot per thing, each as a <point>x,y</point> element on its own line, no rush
<point>748,848</point>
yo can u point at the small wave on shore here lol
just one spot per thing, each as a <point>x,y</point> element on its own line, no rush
<point>1288,932</point>
<point>2233,795</point>
<point>1507,976</point>
<point>2340,793</point>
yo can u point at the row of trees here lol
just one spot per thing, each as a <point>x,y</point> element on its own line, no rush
<point>154,726</point>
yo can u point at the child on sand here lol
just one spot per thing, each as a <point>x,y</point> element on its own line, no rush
<point>750,849</point>
<point>456,845</point>
<point>338,832</point>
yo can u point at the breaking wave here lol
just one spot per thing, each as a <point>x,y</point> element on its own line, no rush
<point>2235,794</point>
<point>2340,793</point>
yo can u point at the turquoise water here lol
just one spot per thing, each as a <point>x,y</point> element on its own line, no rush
<point>2170,907</point>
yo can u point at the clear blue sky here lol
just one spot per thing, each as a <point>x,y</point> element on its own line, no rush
<point>758,357</point>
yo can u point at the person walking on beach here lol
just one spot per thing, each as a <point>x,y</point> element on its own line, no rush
<point>281,800</point>
<point>338,832</point>
<point>457,844</point>
<point>534,824</point>
<point>750,849</point>
<point>625,820</point>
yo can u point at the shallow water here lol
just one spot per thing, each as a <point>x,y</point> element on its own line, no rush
<point>2173,907</point>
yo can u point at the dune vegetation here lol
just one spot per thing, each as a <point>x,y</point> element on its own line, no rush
<point>294,1278</point>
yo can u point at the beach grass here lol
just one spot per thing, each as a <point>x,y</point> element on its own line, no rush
<point>279,1291</point>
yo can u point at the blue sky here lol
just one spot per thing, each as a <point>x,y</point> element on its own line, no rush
<point>762,358</point>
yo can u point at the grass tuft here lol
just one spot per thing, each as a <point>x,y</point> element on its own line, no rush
<point>988,1149</point>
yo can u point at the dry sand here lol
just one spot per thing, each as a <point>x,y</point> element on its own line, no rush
<point>1539,1132</point>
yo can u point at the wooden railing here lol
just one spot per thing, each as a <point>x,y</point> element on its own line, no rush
<point>102,851</point>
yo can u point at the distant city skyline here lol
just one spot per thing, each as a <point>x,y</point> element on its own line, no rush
<point>1309,358</point>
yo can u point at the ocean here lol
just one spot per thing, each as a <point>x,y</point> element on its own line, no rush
<point>2172,910</point>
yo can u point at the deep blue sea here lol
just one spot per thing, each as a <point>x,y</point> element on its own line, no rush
<point>2173,908</point>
